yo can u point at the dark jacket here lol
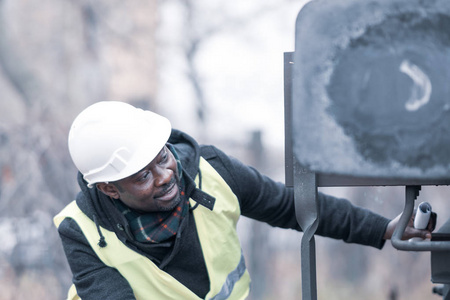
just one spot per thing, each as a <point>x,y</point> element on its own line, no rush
<point>260,198</point>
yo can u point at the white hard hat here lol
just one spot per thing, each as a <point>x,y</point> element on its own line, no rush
<point>112,140</point>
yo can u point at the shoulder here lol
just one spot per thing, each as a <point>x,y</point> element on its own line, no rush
<point>223,163</point>
<point>70,231</point>
<point>239,176</point>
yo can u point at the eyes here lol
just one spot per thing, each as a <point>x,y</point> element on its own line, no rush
<point>164,156</point>
<point>161,159</point>
<point>145,175</point>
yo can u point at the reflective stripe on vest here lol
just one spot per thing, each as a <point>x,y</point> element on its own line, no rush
<point>232,278</point>
<point>216,230</point>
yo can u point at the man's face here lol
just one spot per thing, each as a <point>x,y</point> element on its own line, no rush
<point>154,188</point>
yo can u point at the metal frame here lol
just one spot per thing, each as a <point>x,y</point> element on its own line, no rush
<point>306,183</point>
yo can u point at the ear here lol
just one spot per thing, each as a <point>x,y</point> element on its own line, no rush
<point>109,189</point>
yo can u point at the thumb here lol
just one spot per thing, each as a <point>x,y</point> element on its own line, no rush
<point>424,234</point>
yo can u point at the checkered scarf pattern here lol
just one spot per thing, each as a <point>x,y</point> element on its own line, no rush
<point>157,227</point>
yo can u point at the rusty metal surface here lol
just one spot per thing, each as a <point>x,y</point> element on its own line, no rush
<point>371,92</point>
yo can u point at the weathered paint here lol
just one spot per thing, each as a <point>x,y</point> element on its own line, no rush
<point>371,92</point>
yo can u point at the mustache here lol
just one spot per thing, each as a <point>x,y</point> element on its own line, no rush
<point>168,186</point>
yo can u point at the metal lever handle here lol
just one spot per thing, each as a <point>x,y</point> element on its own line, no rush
<point>412,191</point>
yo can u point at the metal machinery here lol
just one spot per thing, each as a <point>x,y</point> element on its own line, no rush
<point>367,101</point>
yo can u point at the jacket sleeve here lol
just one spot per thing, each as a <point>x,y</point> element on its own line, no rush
<point>92,278</point>
<point>268,201</point>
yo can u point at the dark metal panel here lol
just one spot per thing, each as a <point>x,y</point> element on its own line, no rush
<point>370,89</point>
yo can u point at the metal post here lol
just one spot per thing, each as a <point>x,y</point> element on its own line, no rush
<point>305,193</point>
<point>288,153</point>
<point>307,213</point>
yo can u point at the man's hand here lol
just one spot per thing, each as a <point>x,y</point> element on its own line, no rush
<point>410,231</point>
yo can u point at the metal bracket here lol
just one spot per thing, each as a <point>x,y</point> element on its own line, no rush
<point>412,191</point>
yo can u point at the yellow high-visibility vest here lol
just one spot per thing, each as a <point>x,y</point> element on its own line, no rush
<point>229,278</point>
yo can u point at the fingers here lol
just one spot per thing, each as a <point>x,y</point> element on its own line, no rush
<point>426,233</point>
<point>423,234</point>
<point>432,223</point>
<point>411,232</point>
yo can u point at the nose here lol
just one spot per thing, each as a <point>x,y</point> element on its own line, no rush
<point>162,176</point>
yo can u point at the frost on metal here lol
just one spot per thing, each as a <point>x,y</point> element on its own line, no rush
<point>371,92</point>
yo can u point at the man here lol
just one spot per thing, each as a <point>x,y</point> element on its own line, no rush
<point>156,216</point>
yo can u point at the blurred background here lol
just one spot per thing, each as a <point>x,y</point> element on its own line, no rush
<point>215,68</point>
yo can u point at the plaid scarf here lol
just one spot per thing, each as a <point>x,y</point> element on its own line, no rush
<point>156,227</point>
